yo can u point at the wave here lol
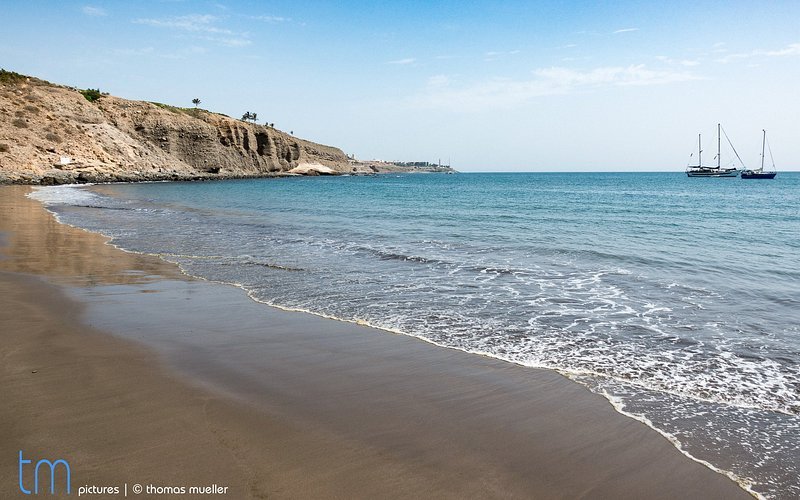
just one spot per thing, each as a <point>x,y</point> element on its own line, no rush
<point>66,194</point>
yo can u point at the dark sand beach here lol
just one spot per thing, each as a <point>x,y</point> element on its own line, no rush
<point>135,373</point>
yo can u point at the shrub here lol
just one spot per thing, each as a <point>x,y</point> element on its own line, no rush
<point>167,107</point>
<point>11,77</point>
<point>19,123</point>
<point>4,148</point>
<point>92,95</point>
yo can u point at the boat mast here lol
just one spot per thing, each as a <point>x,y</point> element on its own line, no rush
<point>763,141</point>
<point>699,151</point>
<point>719,139</point>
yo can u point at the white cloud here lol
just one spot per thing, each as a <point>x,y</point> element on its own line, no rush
<point>503,92</point>
<point>407,60</point>
<point>683,62</point>
<point>792,49</point>
<point>203,23</point>
<point>93,11</point>
<point>229,41</point>
<point>203,26</point>
<point>493,55</point>
<point>611,75</point>
<point>438,81</point>
<point>624,30</point>
<point>719,48</point>
<point>272,19</point>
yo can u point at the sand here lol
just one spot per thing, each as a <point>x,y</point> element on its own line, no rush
<point>135,373</point>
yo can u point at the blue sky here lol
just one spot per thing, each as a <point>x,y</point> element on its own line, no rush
<point>545,86</point>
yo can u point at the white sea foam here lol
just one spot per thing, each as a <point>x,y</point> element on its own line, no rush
<point>66,194</point>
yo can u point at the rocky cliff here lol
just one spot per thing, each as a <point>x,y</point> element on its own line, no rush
<point>52,134</point>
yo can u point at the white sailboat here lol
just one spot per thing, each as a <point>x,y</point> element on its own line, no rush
<point>701,170</point>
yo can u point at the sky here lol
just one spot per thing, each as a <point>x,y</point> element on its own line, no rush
<point>485,86</point>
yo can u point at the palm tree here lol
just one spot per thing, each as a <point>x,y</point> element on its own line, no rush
<point>195,101</point>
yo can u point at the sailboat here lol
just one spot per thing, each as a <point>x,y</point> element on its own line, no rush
<point>701,170</point>
<point>759,173</point>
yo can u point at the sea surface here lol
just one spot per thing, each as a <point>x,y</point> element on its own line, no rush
<point>677,299</point>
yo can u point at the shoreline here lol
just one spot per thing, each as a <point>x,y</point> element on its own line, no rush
<point>306,406</point>
<point>66,180</point>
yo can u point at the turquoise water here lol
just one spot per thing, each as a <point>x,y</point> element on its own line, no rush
<point>678,299</point>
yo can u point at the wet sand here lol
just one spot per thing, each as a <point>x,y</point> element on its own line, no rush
<point>136,374</point>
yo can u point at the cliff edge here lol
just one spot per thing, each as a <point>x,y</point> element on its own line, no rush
<point>53,134</point>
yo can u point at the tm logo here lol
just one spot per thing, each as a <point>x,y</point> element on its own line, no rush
<point>52,468</point>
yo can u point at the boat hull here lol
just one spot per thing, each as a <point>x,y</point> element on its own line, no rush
<point>758,175</point>
<point>712,173</point>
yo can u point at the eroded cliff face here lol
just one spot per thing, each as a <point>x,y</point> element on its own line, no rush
<point>53,134</point>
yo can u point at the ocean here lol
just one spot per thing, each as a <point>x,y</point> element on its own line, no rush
<point>677,299</point>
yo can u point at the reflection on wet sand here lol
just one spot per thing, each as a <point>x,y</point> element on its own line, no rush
<point>34,242</point>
